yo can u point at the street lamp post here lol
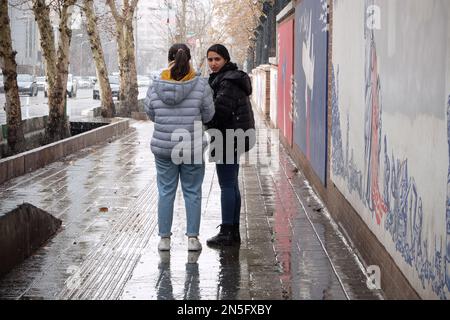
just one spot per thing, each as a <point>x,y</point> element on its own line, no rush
<point>136,38</point>
<point>79,36</point>
<point>81,50</point>
<point>108,63</point>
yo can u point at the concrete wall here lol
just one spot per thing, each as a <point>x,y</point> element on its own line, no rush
<point>37,158</point>
<point>261,89</point>
<point>22,232</point>
<point>273,95</point>
<point>388,139</point>
<point>390,130</point>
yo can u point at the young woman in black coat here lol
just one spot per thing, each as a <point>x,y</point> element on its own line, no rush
<point>232,89</point>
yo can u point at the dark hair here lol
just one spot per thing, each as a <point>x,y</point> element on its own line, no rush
<point>181,54</point>
<point>220,50</point>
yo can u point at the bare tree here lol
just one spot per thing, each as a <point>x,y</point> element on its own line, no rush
<point>108,107</point>
<point>16,140</point>
<point>236,21</point>
<point>126,50</point>
<point>57,61</point>
<point>193,26</point>
<point>181,21</point>
<point>199,21</point>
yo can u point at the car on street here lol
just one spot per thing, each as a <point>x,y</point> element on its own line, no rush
<point>93,80</point>
<point>154,75</point>
<point>84,82</point>
<point>114,82</point>
<point>27,84</point>
<point>144,81</point>
<point>71,88</point>
<point>41,83</point>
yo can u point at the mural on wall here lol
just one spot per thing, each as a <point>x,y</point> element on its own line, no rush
<point>285,73</point>
<point>378,164</point>
<point>372,136</point>
<point>310,116</point>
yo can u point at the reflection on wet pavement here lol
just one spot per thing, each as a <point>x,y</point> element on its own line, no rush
<point>107,198</point>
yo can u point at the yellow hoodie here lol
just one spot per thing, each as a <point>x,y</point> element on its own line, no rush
<point>166,76</point>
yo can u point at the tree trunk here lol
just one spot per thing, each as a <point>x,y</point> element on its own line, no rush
<point>182,26</point>
<point>131,92</point>
<point>57,65</point>
<point>42,15</point>
<point>127,60</point>
<point>108,107</point>
<point>16,140</point>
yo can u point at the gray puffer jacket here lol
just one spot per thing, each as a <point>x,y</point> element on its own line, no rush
<point>174,106</point>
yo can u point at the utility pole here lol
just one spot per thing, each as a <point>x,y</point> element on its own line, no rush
<point>181,23</point>
<point>169,7</point>
<point>81,59</point>
<point>136,39</point>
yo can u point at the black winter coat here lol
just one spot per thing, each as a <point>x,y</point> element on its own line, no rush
<point>232,89</point>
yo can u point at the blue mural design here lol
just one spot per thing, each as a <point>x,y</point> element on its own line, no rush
<point>343,165</point>
<point>399,198</point>
<point>310,114</point>
<point>404,218</point>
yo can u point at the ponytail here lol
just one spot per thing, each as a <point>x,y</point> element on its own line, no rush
<point>181,55</point>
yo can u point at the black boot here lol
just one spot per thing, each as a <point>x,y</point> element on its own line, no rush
<point>223,238</point>
<point>236,234</point>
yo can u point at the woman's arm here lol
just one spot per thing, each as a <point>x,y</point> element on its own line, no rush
<point>207,108</point>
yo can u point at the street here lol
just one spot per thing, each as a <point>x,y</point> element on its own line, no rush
<point>76,107</point>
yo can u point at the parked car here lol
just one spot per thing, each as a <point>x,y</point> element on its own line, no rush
<point>72,87</point>
<point>156,74</point>
<point>144,81</point>
<point>41,83</point>
<point>2,86</point>
<point>84,82</point>
<point>27,84</point>
<point>114,82</point>
<point>93,80</point>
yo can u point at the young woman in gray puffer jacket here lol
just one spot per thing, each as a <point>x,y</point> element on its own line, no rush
<point>179,102</point>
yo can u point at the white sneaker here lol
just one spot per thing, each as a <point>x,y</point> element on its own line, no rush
<point>164,244</point>
<point>194,244</point>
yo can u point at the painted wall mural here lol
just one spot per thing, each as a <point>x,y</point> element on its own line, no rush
<point>310,115</point>
<point>391,129</point>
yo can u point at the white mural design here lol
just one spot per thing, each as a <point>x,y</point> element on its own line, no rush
<point>390,129</point>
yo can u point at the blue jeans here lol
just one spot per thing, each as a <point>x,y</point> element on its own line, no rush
<point>230,195</point>
<point>191,176</point>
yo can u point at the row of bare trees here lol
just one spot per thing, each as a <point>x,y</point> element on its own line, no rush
<point>16,138</point>
<point>230,22</point>
<point>236,21</point>
<point>198,22</point>
<point>56,61</point>
<point>56,53</point>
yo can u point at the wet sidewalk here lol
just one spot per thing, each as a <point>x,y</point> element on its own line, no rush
<point>106,197</point>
